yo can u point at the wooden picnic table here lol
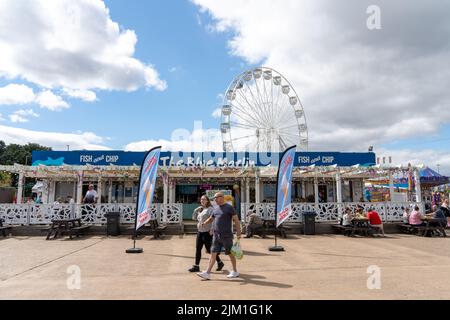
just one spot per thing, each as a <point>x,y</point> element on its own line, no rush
<point>66,227</point>
<point>157,229</point>
<point>269,227</point>
<point>3,228</point>
<point>432,224</point>
<point>360,224</point>
<point>429,225</point>
<point>153,227</point>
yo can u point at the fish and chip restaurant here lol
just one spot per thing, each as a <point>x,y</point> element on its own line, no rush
<point>323,182</point>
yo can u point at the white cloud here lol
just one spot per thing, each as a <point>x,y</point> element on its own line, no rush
<point>22,115</point>
<point>358,87</point>
<point>1,118</point>
<point>56,140</point>
<point>70,44</point>
<point>85,95</point>
<point>183,140</point>
<point>17,118</point>
<point>20,94</point>
<point>49,100</point>
<point>16,94</point>
<point>428,157</point>
<point>217,113</point>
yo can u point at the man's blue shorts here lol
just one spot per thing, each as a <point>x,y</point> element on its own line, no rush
<point>220,242</point>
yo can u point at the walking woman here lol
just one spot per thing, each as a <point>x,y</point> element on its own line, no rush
<point>204,234</point>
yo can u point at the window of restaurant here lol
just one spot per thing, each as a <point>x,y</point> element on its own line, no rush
<point>187,193</point>
<point>64,190</point>
<point>121,191</point>
<point>270,191</point>
<point>357,189</point>
<point>347,191</point>
<point>309,188</point>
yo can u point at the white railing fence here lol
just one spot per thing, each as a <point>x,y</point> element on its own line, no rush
<point>330,211</point>
<point>172,213</point>
<point>28,214</point>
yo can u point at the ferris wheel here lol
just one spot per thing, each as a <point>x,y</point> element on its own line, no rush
<point>261,112</point>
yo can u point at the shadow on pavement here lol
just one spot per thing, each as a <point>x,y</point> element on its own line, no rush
<point>258,254</point>
<point>254,279</point>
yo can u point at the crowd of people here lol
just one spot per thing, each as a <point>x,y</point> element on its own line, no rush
<point>441,215</point>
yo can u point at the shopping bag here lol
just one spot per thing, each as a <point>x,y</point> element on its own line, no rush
<point>236,250</point>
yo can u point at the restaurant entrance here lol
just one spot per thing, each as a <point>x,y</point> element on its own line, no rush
<point>189,194</point>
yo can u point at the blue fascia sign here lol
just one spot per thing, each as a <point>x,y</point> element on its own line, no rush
<point>200,159</point>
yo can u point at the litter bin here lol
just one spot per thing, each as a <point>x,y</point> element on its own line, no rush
<point>112,223</point>
<point>309,222</point>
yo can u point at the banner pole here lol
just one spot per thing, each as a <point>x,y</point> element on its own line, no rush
<point>134,249</point>
<point>276,247</point>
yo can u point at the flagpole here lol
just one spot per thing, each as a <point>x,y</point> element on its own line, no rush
<point>276,247</point>
<point>134,249</point>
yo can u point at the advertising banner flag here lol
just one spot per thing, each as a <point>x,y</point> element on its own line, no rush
<point>284,182</point>
<point>147,183</point>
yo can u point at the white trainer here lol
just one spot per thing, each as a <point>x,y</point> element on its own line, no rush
<point>233,274</point>
<point>205,275</point>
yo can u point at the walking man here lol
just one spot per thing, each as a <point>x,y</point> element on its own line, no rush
<point>222,218</point>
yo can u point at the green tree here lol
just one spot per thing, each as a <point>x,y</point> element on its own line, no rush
<point>16,153</point>
<point>2,149</point>
<point>5,179</point>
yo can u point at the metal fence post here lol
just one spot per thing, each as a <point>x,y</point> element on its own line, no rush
<point>28,214</point>
<point>386,211</point>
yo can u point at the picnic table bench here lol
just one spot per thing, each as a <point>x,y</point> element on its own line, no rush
<point>269,227</point>
<point>258,229</point>
<point>157,229</point>
<point>68,227</point>
<point>431,225</point>
<point>154,227</point>
<point>360,225</point>
<point>346,230</point>
<point>4,229</point>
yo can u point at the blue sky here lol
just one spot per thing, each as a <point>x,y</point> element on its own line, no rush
<point>193,61</point>
<point>358,87</point>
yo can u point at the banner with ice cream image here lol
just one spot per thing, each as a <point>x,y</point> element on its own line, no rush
<point>284,182</point>
<point>147,186</point>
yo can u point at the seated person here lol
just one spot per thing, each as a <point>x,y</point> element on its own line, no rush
<point>439,214</point>
<point>445,208</point>
<point>360,213</point>
<point>375,220</point>
<point>347,218</point>
<point>254,222</point>
<point>415,218</point>
<point>406,213</point>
